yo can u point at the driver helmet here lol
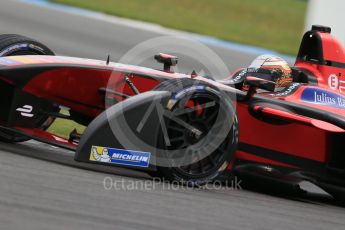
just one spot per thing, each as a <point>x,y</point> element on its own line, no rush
<point>272,68</point>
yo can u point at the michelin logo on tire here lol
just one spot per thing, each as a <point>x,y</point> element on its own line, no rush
<point>120,156</point>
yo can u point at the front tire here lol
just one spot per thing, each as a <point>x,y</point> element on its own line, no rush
<point>197,160</point>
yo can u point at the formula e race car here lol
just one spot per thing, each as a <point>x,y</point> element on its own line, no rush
<point>270,121</point>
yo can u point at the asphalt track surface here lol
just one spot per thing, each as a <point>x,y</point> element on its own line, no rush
<point>41,187</point>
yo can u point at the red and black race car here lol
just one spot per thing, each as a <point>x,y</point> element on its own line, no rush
<point>270,121</point>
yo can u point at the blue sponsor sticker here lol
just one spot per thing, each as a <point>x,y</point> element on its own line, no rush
<point>323,97</point>
<point>120,156</point>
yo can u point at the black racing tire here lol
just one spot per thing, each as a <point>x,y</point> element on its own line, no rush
<point>18,45</point>
<point>209,164</point>
<point>15,45</point>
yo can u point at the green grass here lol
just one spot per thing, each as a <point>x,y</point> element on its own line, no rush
<point>63,127</point>
<point>272,24</point>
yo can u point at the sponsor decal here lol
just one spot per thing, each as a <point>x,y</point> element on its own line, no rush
<point>14,48</point>
<point>287,91</point>
<point>22,46</point>
<point>333,82</point>
<point>32,46</point>
<point>240,76</point>
<point>120,156</point>
<point>26,111</point>
<point>323,97</point>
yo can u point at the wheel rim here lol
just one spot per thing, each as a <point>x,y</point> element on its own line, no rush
<point>204,119</point>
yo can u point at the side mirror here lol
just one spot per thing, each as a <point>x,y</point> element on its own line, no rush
<point>255,83</point>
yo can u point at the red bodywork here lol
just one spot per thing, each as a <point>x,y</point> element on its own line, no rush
<point>299,140</point>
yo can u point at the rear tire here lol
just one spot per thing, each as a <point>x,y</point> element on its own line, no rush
<point>17,45</point>
<point>197,162</point>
